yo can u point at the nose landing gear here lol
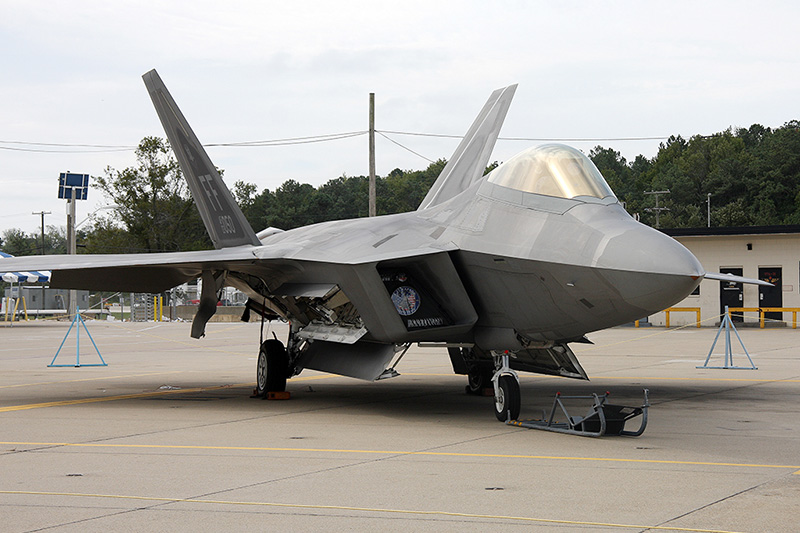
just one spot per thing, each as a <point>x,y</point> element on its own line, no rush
<point>507,397</point>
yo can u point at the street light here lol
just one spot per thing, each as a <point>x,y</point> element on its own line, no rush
<point>72,187</point>
<point>91,215</point>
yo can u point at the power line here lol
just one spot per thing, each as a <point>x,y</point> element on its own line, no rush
<point>43,147</point>
<point>61,148</point>
<point>65,151</point>
<point>535,139</point>
<point>293,140</point>
<point>403,147</point>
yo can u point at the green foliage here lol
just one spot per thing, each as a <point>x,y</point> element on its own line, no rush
<point>17,242</point>
<point>753,176</point>
<point>294,204</point>
<point>153,203</point>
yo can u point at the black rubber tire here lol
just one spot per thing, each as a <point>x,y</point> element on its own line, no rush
<point>507,403</point>
<point>478,379</point>
<point>272,368</point>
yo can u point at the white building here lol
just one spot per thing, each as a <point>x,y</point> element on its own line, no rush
<point>771,253</point>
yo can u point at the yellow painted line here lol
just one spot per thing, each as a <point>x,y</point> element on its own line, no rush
<point>397,452</point>
<point>361,509</point>
<point>697,378</point>
<point>88,379</point>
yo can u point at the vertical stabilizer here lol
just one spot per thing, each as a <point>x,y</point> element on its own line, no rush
<point>224,221</point>
<point>471,157</point>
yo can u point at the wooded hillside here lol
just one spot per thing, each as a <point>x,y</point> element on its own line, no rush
<point>752,174</point>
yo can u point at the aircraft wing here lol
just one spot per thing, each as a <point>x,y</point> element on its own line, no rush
<point>154,273</point>
<point>736,279</point>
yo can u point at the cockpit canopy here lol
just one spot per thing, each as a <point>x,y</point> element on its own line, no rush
<point>552,170</point>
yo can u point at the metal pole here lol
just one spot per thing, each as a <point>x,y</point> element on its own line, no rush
<point>71,249</point>
<point>42,213</point>
<point>708,201</point>
<point>372,198</point>
<point>657,209</point>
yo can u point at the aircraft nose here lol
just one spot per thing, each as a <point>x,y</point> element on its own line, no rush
<point>652,271</point>
<point>643,249</point>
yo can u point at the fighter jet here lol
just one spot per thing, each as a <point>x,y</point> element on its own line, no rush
<point>505,270</point>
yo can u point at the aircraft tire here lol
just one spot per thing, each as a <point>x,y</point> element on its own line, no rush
<point>272,368</point>
<point>507,402</point>
<point>478,379</point>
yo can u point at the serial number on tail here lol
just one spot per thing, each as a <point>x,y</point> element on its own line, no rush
<point>226,224</point>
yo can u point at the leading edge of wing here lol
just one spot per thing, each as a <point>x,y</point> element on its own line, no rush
<point>472,155</point>
<point>736,279</point>
<point>132,272</point>
<point>215,258</point>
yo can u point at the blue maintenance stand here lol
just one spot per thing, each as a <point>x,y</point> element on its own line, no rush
<point>727,326</point>
<point>78,320</point>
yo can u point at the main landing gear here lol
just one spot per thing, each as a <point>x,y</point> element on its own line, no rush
<point>272,369</point>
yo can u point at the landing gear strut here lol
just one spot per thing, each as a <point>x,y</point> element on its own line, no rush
<point>507,397</point>
<point>272,369</point>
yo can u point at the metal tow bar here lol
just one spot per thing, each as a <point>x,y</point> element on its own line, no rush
<point>602,419</point>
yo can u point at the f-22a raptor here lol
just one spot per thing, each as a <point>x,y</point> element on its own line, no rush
<point>504,269</point>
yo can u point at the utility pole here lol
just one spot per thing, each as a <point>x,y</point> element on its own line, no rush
<point>372,199</point>
<point>42,213</point>
<point>72,250</point>
<point>708,201</point>
<point>657,209</point>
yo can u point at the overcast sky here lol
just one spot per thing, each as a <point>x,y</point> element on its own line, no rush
<point>263,70</point>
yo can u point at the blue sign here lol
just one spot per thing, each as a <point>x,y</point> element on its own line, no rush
<point>73,186</point>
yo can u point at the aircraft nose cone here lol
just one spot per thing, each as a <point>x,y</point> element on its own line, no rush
<point>644,249</point>
<point>654,270</point>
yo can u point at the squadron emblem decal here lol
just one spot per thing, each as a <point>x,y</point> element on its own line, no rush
<point>406,300</point>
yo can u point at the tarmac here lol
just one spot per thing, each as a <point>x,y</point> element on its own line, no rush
<point>167,438</point>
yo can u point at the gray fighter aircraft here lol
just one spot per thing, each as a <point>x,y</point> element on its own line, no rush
<point>505,269</point>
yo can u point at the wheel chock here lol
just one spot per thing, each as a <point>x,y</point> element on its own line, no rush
<point>279,395</point>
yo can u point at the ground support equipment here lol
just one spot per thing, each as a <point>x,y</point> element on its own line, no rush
<point>727,325</point>
<point>602,419</point>
<point>77,320</point>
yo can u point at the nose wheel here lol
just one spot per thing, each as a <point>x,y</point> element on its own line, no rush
<point>507,396</point>
<point>507,399</point>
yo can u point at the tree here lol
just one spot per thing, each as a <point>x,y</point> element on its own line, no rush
<point>153,201</point>
<point>17,242</point>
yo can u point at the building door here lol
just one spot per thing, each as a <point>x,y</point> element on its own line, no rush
<point>731,294</point>
<point>771,296</point>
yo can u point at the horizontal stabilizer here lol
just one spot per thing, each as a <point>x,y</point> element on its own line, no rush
<point>224,221</point>
<point>469,160</point>
<point>736,279</point>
